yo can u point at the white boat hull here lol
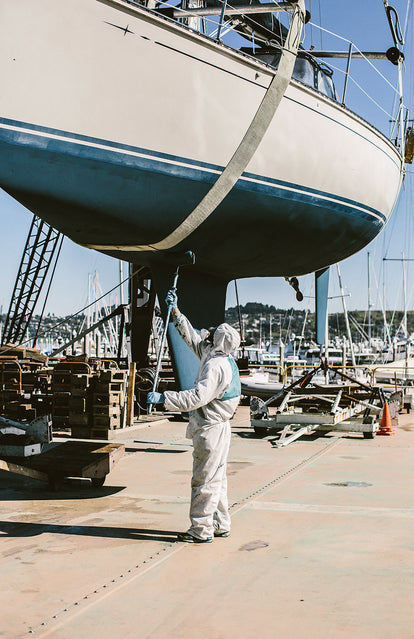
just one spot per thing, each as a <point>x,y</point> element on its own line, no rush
<point>114,122</point>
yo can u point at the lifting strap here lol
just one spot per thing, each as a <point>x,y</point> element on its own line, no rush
<point>244,152</point>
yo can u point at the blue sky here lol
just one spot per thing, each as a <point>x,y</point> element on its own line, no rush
<point>365,24</point>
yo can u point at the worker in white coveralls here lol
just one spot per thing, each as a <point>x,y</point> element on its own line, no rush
<point>210,404</point>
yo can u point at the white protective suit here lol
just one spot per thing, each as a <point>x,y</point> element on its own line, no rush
<point>208,426</point>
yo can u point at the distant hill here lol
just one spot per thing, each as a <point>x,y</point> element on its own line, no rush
<point>256,319</point>
<point>288,321</point>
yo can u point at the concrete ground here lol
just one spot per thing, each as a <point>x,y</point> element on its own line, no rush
<point>322,544</point>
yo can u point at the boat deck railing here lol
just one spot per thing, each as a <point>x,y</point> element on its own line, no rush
<point>374,91</point>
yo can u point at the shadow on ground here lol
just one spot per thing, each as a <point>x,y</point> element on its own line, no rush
<point>28,529</point>
<point>19,488</point>
<point>152,450</point>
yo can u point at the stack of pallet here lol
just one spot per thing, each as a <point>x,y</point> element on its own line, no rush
<point>60,398</point>
<point>71,392</point>
<point>81,394</point>
<point>108,402</point>
<point>25,355</point>
<point>24,385</point>
<point>37,388</point>
<point>89,402</point>
<point>80,403</point>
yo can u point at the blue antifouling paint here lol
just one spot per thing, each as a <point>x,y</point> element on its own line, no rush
<point>187,364</point>
<point>321,304</point>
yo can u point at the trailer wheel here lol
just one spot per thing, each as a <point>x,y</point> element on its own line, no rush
<point>261,431</point>
<point>97,482</point>
<point>55,483</point>
<point>369,435</point>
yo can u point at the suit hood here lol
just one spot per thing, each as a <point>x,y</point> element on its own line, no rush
<point>226,339</point>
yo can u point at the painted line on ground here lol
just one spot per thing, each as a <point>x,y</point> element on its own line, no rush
<point>327,509</point>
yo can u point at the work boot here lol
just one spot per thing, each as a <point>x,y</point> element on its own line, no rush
<point>190,539</point>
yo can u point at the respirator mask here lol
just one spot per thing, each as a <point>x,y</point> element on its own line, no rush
<point>207,334</point>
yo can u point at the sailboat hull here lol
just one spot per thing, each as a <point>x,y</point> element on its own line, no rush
<point>115,122</point>
<point>261,229</point>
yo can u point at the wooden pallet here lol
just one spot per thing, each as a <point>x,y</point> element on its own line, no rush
<point>79,419</point>
<point>69,459</point>
<point>107,421</point>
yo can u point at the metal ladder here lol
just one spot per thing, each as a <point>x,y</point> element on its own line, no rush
<point>38,255</point>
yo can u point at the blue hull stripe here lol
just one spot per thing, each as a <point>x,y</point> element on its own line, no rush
<point>62,142</point>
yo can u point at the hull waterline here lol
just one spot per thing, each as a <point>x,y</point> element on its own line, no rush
<point>265,226</point>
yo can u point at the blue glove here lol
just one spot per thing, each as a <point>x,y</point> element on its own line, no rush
<point>171,300</point>
<point>155,398</point>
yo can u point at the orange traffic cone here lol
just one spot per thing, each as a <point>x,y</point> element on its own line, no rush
<point>386,427</point>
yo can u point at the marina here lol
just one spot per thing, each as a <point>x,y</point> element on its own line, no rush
<point>178,458</point>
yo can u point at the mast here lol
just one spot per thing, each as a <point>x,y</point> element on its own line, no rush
<point>121,279</point>
<point>402,259</point>
<point>348,328</point>
<point>405,329</point>
<point>270,333</point>
<point>387,335</point>
<point>369,299</point>
<point>241,326</point>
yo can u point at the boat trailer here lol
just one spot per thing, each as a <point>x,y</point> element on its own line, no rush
<point>304,407</point>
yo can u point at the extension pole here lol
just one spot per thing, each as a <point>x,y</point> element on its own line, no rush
<point>163,340</point>
<point>190,260</point>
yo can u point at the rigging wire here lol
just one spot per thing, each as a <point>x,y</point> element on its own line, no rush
<point>407,15</point>
<point>407,188</point>
<point>335,35</point>
<point>48,291</point>
<point>383,308</point>
<point>311,28</point>
<point>67,319</point>
<point>398,293</point>
<point>320,21</point>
